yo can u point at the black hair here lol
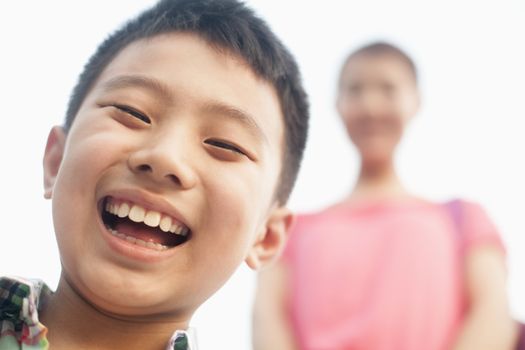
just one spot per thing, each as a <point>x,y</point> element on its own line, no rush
<point>380,48</point>
<point>226,25</point>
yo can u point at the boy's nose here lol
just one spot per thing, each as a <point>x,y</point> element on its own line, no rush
<point>163,166</point>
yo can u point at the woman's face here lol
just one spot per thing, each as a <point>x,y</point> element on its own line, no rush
<point>377,97</point>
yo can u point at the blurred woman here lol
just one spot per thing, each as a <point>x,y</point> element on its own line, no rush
<point>383,268</point>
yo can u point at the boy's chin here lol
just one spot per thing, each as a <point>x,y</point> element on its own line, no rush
<point>126,306</point>
<point>134,300</point>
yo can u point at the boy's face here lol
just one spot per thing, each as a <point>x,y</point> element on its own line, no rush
<point>174,136</point>
<point>377,97</point>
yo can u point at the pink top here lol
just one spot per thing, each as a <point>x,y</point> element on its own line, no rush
<point>384,275</point>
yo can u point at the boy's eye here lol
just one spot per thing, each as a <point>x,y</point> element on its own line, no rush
<point>224,145</point>
<point>133,112</point>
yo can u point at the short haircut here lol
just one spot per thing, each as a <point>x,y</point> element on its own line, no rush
<point>381,48</point>
<point>226,25</point>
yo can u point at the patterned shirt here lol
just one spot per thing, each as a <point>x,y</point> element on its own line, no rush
<point>20,328</point>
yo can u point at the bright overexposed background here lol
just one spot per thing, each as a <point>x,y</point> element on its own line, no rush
<point>468,139</point>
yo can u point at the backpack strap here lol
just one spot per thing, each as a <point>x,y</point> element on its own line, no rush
<point>455,211</point>
<point>521,337</point>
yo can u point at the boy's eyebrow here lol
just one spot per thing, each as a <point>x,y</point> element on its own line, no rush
<point>214,107</point>
<point>126,81</point>
<point>221,109</point>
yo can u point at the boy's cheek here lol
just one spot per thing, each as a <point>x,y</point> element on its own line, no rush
<point>233,219</point>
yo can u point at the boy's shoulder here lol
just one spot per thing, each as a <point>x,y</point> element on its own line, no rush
<point>20,300</point>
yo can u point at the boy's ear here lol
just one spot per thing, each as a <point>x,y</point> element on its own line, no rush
<point>52,158</point>
<point>271,241</point>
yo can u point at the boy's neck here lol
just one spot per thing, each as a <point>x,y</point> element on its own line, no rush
<point>378,181</point>
<point>73,323</point>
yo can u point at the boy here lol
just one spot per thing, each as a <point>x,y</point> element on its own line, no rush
<point>182,141</point>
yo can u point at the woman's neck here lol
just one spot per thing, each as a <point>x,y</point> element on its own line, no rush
<point>73,323</point>
<point>378,181</point>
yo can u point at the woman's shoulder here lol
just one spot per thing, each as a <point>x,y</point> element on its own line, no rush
<point>474,224</point>
<point>466,209</point>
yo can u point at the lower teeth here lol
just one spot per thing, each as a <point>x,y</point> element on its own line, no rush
<point>139,242</point>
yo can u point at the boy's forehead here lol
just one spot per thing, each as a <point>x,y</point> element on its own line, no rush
<point>173,49</point>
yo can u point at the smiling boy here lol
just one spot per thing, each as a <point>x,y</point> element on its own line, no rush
<point>182,141</point>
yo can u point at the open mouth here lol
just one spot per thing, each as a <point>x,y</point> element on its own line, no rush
<point>144,227</point>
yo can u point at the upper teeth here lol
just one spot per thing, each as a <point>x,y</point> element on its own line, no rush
<point>151,218</point>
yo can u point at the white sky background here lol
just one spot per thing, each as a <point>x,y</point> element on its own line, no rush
<point>468,140</point>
